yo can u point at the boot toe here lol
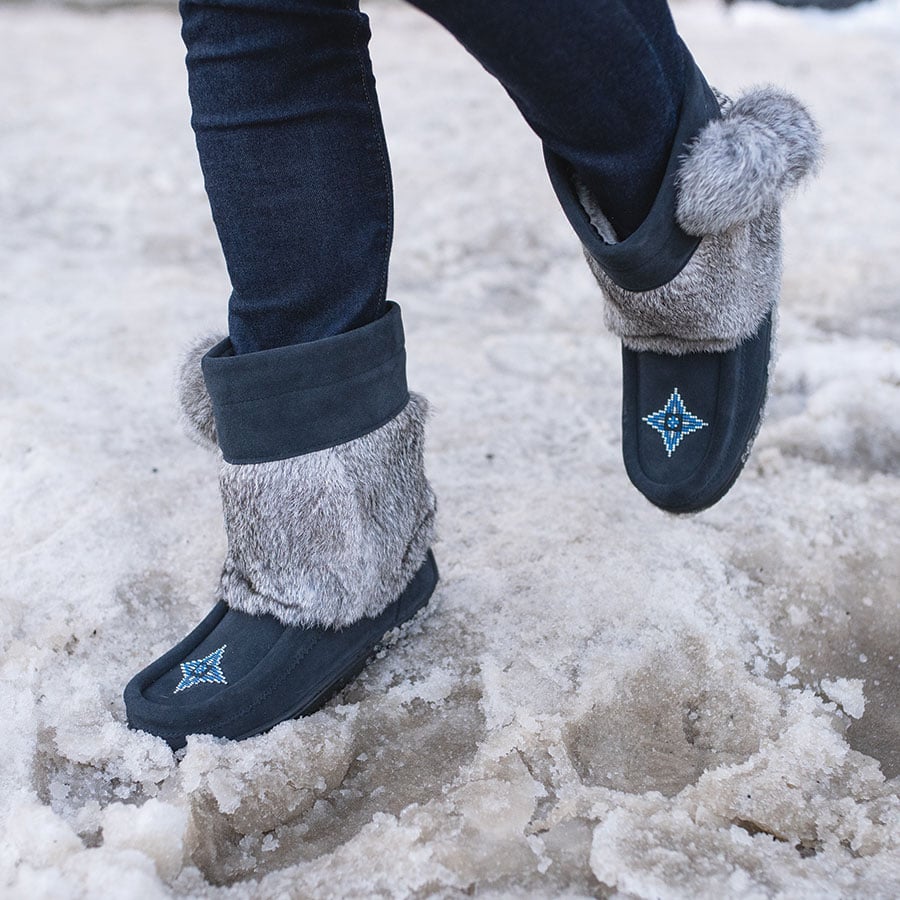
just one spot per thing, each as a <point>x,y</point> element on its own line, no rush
<point>237,675</point>
<point>689,421</point>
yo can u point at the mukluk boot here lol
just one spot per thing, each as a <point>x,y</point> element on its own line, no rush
<point>329,519</point>
<point>692,293</point>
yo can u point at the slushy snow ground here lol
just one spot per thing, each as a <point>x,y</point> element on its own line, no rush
<point>602,700</point>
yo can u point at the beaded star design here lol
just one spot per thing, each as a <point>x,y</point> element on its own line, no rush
<point>198,671</point>
<point>674,422</point>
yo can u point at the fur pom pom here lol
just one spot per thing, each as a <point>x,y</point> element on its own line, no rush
<point>196,405</point>
<point>746,162</point>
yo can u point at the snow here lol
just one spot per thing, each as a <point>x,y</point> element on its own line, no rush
<point>848,693</point>
<point>602,700</point>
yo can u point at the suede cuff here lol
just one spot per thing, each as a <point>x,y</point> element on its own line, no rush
<point>659,249</point>
<point>286,402</point>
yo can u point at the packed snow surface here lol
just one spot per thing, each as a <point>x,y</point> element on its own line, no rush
<point>602,700</point>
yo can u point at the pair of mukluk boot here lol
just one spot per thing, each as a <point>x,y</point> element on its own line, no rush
<point>328,512</point>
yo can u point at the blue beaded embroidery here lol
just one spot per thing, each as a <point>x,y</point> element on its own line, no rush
<point>674,422</point>
<point>198,671</point>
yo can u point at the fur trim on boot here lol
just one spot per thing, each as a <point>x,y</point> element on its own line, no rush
<point>730,188</point>
<point>328,537</point>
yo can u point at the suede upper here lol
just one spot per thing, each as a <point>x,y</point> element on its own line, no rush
<point>287,401</point>
<point>659,248</point>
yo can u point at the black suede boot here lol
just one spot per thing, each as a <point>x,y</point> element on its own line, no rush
<point>692,292</point>
<point>329,518</point>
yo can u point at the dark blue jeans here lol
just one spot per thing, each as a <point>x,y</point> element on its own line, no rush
<point>294,157</point>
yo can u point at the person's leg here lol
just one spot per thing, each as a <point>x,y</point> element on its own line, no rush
<point>328,512</point>
<point>294,159</point>
<point>601,82</point>
<point>675,194</point>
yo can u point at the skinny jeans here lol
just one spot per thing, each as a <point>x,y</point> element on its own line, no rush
<point>294,156</point>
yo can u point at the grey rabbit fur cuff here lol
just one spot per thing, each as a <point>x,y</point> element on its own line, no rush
<point>328,537</point>
<point>730,187</point>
